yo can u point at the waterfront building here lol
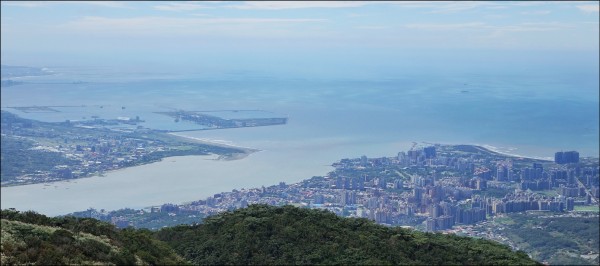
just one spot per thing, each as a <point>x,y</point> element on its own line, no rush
<point>566,157</point>
<point>429,152</point>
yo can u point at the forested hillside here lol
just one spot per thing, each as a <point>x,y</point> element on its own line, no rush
<point>31,238</point>
<point>259,234</point>
<point>263,234</point>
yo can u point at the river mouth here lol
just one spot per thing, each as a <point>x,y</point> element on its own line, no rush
<point>329,120</point>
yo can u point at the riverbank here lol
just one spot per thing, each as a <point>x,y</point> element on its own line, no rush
<point>245,151</point>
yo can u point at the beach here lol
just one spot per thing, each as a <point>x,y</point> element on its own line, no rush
<point>510,154</point>
<point>246,151</point>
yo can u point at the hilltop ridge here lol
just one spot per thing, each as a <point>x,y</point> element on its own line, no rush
<point>262,234</point>
<point>259,234</point>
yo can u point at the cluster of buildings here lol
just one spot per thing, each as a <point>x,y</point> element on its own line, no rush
<point>566,157</point>
<point>82,150</point>
<point>434,188</point>
<point>97,155</point>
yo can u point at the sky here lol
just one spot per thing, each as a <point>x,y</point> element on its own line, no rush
<point>301,37</point>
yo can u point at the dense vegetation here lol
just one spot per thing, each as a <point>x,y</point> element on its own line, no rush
<point>263,234</point>
<point>148,220</point>
<point>31,238</point>
<point>259,234</point>
<point>556,240</point>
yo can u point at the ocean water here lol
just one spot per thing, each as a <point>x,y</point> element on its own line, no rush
<point>329,119</point>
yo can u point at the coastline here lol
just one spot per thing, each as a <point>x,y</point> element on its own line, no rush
<point>501,152</point>
<point>58,195</point>
<point>151,173</point>
<point>493,149</point>
<point>111,171</point>
<point>245,152</point>
<point>235,156</point>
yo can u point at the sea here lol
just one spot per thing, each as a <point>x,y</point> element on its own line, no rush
<point>526,114</point>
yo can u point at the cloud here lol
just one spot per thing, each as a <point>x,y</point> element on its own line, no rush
<point>521,27</point>
<point>356,15</point>
<point>438,7</point>
<point>536,12</point>
<point>189,6</point>
<point>495,16</point>
<point>371,27</point>
<point>501,32</point>
<point>157,26</point>
<point>278,5</point>
<point>25,3</point>
<point>441,7</point>
<point>445,26</point>
<point>457,6</point>
<point>487,34</point>
<point>113,4</point>
<point>104,21</point>
<point>36,4</point>
<point>589,8</point>
<point>497,7</point>
<point>529,27</point>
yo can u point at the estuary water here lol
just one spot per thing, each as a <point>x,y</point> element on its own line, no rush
<point>329,119</point>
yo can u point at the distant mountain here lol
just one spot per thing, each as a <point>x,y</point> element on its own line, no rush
<point>262,234</point>
<point>21,71</point>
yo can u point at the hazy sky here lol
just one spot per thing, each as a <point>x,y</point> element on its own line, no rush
<point>298,35</point>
